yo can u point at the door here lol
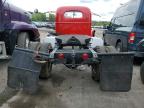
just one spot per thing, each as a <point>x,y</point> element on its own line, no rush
<point>108,35</point>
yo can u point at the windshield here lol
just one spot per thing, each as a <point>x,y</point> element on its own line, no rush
<point>125,16</point>
<point>73,14</point>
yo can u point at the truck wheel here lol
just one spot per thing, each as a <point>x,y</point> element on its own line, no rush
<point>100,49</point>
<point>142,72</point>
<point>110,49</point>
<point>119,47</point>
<point>47,67</point>
<point>95,72</point>
<point>46,71</point>
<point>44,47</point>
<point>96,67</point>
<point>23,40</point>
<point>33,45</point>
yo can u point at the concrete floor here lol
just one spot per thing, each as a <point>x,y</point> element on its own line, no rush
<point>71,89</point>
<point>75,89</point>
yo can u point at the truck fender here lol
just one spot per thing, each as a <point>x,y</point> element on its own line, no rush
<point>22,26</point>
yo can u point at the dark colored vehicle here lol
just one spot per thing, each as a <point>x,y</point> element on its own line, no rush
<point>126,29</point>
<point>15,27</point>
<point>141,48</point>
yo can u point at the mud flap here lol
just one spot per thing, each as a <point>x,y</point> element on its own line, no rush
<point>116,71</point>
<point>23,72</point>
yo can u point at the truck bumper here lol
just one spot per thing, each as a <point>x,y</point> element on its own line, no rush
<point>74,57</point>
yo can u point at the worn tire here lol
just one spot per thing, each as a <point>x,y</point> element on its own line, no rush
<point>100,49</point>
<point>142,72</point>
<point>47,67</point>
<point>23,40</point>
<point>46,71</point>
<point>44,47</point>
<point>119,47</point>
<point>95,68</point>
<point>110,49</point>
<point>33,45</point>
<point>105,49</point>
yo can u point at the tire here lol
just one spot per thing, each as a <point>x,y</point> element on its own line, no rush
<point>46,68</point>
<point>142,72</point>
<point>110,49</point>
<point>105,49</point>
<point>119,47</point>
<point>44,47</point>
<point>95,68</point>
<point>33,45</point>
<point>23,40</point>
<point>100,49</point>
<point>46,71</point>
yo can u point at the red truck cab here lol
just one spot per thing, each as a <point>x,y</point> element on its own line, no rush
<point>73,20</point>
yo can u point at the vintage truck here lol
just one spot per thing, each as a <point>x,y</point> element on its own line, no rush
<point>73,46</point>
<point>15,29</point>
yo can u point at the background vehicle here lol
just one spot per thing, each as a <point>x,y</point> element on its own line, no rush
<point>127,28</point>
<point>15,27</point>
<point>141,48</point>
<point>73,46</point>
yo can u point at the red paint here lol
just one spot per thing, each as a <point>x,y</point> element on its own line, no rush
<point>81,26</point>
<point>61,56</point>
<point>85,56</point>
